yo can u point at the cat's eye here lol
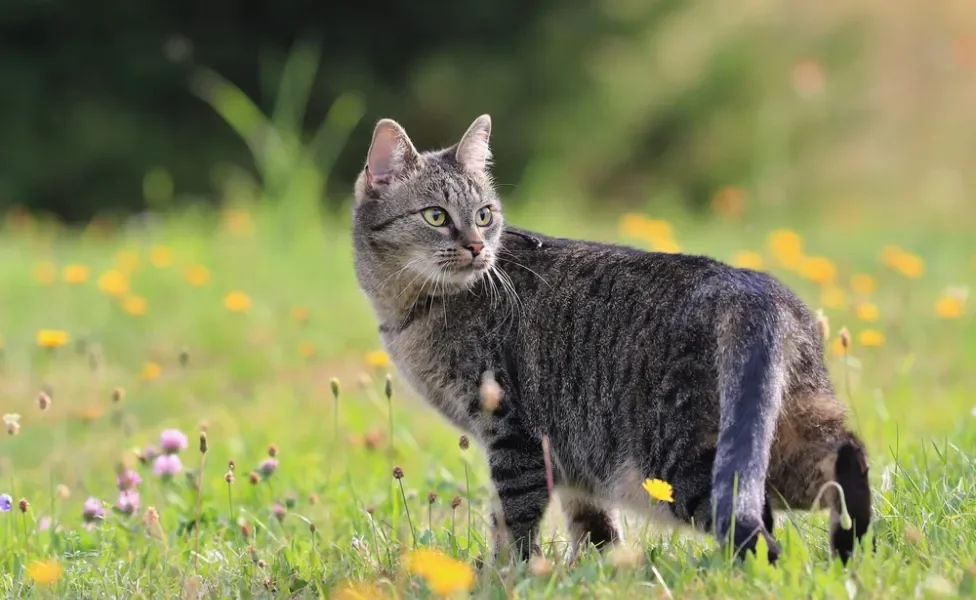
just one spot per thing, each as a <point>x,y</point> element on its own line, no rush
<point>483,217</point>
<point>435,216</point>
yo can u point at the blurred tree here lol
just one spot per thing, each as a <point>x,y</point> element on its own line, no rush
<point>601,98</point>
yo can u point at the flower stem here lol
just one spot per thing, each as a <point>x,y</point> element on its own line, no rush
<point>406,507</point>
<point>196,529</point>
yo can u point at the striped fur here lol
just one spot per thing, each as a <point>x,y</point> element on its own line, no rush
<point>635,364</point>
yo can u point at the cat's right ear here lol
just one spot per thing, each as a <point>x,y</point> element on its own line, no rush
<point>391,154</point>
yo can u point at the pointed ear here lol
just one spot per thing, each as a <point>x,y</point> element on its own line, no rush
<point>473,152</point>
<point>391,155</point>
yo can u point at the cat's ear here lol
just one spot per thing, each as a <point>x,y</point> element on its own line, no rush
<point>391,154</point>
<point>473,152</point>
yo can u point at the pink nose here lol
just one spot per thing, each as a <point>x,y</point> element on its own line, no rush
<point>475,248</point>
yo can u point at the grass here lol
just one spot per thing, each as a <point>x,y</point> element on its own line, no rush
<point>332,513</point>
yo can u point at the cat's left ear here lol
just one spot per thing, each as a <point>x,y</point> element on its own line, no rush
<point>473,152</point>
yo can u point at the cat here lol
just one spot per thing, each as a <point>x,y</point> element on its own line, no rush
<point>632,364</point>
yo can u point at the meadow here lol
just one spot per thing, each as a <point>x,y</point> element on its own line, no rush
<point>195,405</point>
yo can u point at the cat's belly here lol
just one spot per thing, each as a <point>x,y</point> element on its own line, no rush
<point>626,492</point>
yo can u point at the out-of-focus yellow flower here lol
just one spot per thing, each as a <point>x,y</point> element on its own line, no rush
<point>113,283</point>
<point>665,244</point>
<point>52,338</point>
<point>377,359</point>
<point>907,264</point>
<point>951,305</point>
<point>659,490</point>
<point>197,275</point>
<point>863,284</point>
<point>44,572</point>
<point>299,313</point>
<point>127,261</point>
<point>237,221</point>
<point>866,311</point>
<point>45,272</point>
<point>359,591</point>
<point>237,302</point>
<point>786,246</point>
<point>871,337</point>
<point>837,347</point>
<point>638,226</point>
<point>444,575</point>
<point>161,257</point>
<point>75,274</point>
<point>818,269</point>
<point>748,259</point>
<point>150,371</point>
<point>729,201</point>
<point>833,297</point>
<point>306,349</point>
<point>135,305</point>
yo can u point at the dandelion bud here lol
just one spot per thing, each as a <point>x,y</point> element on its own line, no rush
<point>24,505</point>
<point>397,473</point>
<point>455,502</point>
<point>463,443</point>
<point>845,518</point>
<point>43,401</point>
<point>151,517</point>
<point>431,498</point>
<point>231,465</point>
<point>491,393</point>
<point>117,395</point>
<point>313,498</point>
<point>824,324</point>
<point>845,338</point>
<point>229,477</point>
<point>245,529</point>
<point>272,451</point>
<point>311,528</point>
<point>261,564</point>
<point>254,478</point>
<point>388,390</point>
<point>334,384</point>
<point>63,491</point>
<point>203,442</point>
<point>370,509</point>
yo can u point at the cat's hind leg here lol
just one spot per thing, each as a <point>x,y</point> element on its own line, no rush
<point>588,523</point>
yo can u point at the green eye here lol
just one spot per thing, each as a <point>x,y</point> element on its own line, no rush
<point>435,216</point>
<point>483,216</point>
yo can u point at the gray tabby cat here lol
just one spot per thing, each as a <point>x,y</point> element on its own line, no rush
<point>634,364</point>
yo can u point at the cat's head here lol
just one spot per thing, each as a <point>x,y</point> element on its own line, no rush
<point>430,220</point>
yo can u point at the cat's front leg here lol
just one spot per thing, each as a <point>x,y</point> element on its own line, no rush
<point>518,473</point>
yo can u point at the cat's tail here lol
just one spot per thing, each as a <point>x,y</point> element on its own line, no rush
<point>850,521</point>
<point>752,377</point>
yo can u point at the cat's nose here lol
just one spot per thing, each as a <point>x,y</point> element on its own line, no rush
<point>475,248</point>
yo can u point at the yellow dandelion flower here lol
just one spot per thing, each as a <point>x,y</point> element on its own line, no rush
<point>665,244</point>
<point>871,338</point>
<point>632,225</point>
<point>866,311</point>
<point>907,264</point>
<point>833,297</point>
<point>90,413</point>
<point>127,261</point>
<point>787,247</point>
<point>51,338</point>
<point>237,302</point>
<point>113,283</point>
<point>818,269</point>
<point>658,490</point>
<point>75,274</point>
<point>729,201</point>
<point>135,305</point>
<point>150,371</point>
<point>237,221</point>
<point>359,591</point>
<point>161,257</point>
<point>444,575</point>
<point>197,275</point>
<point>377,359</point>
<point>748,259</point>
<point>44,572</point>
<point>300,314</point>
<point>949,306</point>
<point>45,272</point>
<point>657,229</point>
<point>306,349</point>
<point>863,284</point>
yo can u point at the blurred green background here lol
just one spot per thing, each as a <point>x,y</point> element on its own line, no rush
<point>115,106</point>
